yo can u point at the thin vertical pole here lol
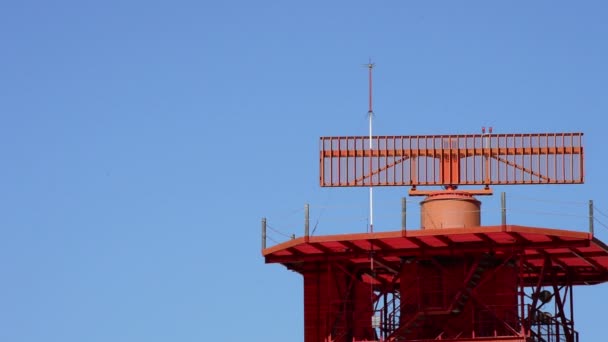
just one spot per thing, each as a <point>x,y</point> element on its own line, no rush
<point>306,220</point>
<point>370,114</point>
<point>503,207</point>
<point>403,214</point>
<point>263,233</point>
<point>591,230</point>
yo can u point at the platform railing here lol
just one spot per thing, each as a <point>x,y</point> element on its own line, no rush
<point>546,328</point>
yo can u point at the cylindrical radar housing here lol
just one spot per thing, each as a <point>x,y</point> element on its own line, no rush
<point>452,209</point>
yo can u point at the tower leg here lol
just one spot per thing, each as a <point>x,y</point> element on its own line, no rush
<point>337,305</point>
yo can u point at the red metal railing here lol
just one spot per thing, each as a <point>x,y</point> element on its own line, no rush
<point>478,159</point>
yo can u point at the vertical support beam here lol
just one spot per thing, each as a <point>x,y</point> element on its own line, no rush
<point>306,221</point>
<point>560,310</point>
<point>591,217</point>
<point>522,293</point>
<point>263,233</point>
<point>571,305</point>
<point>321,160</point>
<point>487,151</point>
<point>384,332</point>
<point>403,214</point>
<point>503,207</point>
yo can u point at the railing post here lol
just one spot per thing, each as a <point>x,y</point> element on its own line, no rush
<point>306,221</point>
<point>503,208</point>
<point>403,214</point>
<point>263,233</point>
<point>591,229</point>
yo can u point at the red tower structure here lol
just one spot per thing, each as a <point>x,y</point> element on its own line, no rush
<point>453,279</point>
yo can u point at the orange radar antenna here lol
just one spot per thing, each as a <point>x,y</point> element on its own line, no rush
<point>452,160</point>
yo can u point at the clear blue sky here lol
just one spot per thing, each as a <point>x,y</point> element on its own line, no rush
<point>142,141</point>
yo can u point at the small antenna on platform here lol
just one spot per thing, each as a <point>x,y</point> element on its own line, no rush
<point>370,114</point>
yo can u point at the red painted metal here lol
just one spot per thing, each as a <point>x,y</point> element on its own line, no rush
<point>581,256</point>
<point>471,284</point>
<point>478,159</point>
<point>453,280</point>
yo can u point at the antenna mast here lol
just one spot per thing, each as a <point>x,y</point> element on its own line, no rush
<point>370,114</point>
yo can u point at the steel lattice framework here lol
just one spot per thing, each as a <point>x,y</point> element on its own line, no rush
<point>418,294</point>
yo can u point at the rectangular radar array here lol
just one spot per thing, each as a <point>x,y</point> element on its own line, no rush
<point>477,159</point>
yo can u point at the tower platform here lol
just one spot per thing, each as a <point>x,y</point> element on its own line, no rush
<point>577,254</point>
<point>485,283</point>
